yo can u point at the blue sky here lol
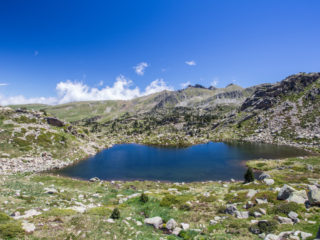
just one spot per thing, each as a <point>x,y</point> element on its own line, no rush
<point>60,51</point>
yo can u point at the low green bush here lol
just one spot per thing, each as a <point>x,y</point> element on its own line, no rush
<point>144,198</point>
<point>115,214</point>
<point>4,217</point>
<point>286,208</point>
<point>11,230</point>
<point>264,226</point>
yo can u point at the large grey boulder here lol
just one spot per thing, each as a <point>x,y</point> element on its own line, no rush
<point>155,221</point>
<point>54,122</point>
<point>314,195</point>
<point>251,193</point>
<point>285,192</point>
<point>231,209</point>
<point>264,176</point>
<point>242,215</point>
<point>28,227</point>
<point>268,181</point>
<point>284,220</point>
<point>299,197</point>
<point>171,224</point>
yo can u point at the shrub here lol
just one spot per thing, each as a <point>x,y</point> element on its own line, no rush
<point>248,176</point>
<point>264,227</point>
<point>240,197</point>
<point>144,198</point>
<point>268,226</point>
<point>4,217</point>
<point>101,211</point>
<point>11,230</point>
<point>168,201</point>
<point>115,214</point>
<point>286,208</point>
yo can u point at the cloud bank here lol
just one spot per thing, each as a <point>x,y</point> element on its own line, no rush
<point>72,91</point>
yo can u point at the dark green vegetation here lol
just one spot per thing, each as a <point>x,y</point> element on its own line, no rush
<point>249,176</point>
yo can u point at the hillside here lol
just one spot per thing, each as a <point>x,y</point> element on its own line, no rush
<point>281,203</point>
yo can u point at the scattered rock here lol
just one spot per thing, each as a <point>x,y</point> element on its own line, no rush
<point>305,235</point>
<point>268,181</point>
<point>176,231</point>
<point>251,193</point>
<point>285,192</point>
<point>51,190</point>
<point>284,220</point>
<point>27,214</point>
<point>231,209</point>
<point>171,224</point>
<point>94,179</point>
<point>299,197</point>
<point>242,215</point>
<point>271,237</point>
<point>263,176</point>
<point>155,221</point>
<point>185,226</point>
<point>54,122</point>
<point>261,201</point>
<point>314,195</point>
<point>28,227</point>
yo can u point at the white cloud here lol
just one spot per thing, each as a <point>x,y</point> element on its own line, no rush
<point>157,85</point>
<point>71,91</point>
<point>100,83</point>
<point>23,100</point>
<point>140,68</point>
<point>191,63</point>
<point>186,84</point>
<point>215,82</point>
<point>3,84</point>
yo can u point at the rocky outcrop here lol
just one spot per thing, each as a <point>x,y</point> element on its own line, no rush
<point>268,95</point>
<point>55,122</point>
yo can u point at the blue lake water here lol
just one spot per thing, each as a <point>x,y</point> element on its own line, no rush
<point>211,161</point>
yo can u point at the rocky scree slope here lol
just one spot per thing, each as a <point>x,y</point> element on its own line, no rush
<point>31,141</point>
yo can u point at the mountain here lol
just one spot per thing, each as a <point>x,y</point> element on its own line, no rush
<point>286,112</point>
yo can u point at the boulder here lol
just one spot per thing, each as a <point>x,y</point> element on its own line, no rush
<point>293,215</point>
<point>155,221</point>
<point>231,209</point>
<point>185,226</point>
<point>284,220</point>
<point>299,197</point>
<point>314,196</point>
<point>285,192</point>
<point>213,222</point>
<point>268,181</point>
<point>261,201</point>
<point>28,227</point>
<point>51,190</point>
<point>94,179</point>
<point>176,231</point>
<point>251,193</point>
<point>271,237</point>
<point>54,122</point>
<point>305,235</point>
<point>171,224</point>
<point>263,176</point>
<point>242,215</point>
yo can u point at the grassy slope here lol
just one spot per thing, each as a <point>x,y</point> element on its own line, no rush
<point>59,222</point>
